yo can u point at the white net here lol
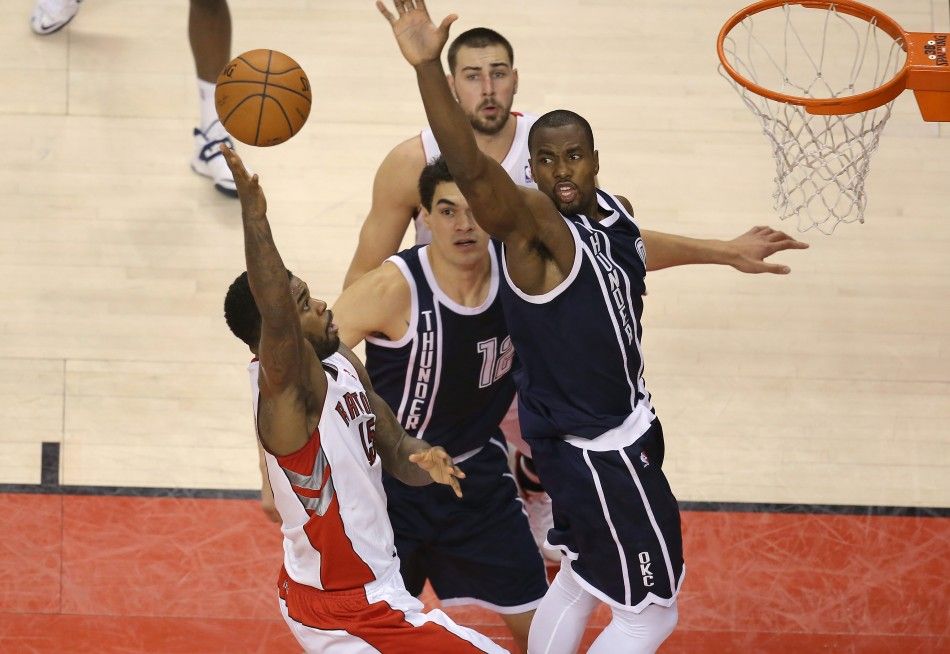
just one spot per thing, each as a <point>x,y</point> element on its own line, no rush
<point>821,162</point>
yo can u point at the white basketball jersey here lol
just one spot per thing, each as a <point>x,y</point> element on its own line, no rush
<point>329,494</point>
<point>515,162</point>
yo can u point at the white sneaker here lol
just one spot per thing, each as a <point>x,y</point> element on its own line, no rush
<point>209,161</point>
<point>52,15</point>
<point>541,519</point>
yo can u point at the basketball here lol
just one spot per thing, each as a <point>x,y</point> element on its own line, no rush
<point>262,97</point>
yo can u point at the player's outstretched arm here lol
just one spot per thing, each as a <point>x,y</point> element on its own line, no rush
<point>410,460</point>
<point>282,351</point>
<point>498,204</point>
<point>746,253</point>
<point>395,201</point>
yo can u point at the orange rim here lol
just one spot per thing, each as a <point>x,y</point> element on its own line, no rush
<point>847,105</point>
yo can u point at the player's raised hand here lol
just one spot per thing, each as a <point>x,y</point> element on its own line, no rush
<point>437,462</point>
<point>253,202</point>
<point>419,39</point>
<point>752,248</point>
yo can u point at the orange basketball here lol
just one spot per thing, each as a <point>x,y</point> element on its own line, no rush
<point>262,97</point>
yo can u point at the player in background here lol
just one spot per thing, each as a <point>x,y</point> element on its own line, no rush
<point>439,353</point>
<point>327,436</point>
<point>209,33</point>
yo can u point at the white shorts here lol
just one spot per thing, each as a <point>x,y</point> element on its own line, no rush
<point>388,620</point>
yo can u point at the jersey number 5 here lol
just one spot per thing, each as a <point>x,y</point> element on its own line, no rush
<point>495,362</point>
<point>368,439</point>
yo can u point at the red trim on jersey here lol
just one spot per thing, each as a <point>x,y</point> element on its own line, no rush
<point>517,113</point>
<point>341,567</point>
<point>377,624</point>
<point>303,460</point>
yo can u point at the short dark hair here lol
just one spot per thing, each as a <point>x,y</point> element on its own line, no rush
<point>435,172</point>
<point>240,310</point>
<point>560,118</point>
<point>478,37</point>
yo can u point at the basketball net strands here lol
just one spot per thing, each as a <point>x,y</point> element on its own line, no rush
<point>821,76</point>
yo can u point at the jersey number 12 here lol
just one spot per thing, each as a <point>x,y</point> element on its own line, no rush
<point>495,362</point>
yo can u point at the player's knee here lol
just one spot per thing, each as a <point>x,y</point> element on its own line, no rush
<point>651,626</point>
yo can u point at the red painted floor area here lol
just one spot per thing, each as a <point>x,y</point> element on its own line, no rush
<point>125,574</point>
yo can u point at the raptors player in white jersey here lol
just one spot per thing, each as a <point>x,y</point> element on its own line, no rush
<point>326,437</point>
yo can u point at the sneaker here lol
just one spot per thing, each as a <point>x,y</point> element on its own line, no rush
<point>541,519</point>
<point>209,161</point>
<point>52,15</point>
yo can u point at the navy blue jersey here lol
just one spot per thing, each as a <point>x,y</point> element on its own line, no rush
<point>448,380</point>
<point>581,371</point>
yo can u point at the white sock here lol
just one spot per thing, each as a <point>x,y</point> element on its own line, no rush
<point>209,113</point>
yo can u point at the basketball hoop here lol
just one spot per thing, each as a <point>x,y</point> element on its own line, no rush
<point>821,76</point>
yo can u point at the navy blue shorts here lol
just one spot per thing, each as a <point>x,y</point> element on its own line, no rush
<point>474,550</point>
<point>615,518</point>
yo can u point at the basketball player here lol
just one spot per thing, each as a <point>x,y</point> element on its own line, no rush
<point>209,32</point>
<point>573,302</point>
<point>326,436</point>
<point>438,352</point>
<point>484,82</point>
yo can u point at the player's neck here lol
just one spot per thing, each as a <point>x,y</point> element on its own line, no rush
<point>498,145</point>
<point>465,285</point>
<point>596,212</point>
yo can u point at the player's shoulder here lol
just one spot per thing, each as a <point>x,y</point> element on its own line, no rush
<point>398,174</point>
<point>626,203</point>
<point>384,287</point>
<point>408,153</point>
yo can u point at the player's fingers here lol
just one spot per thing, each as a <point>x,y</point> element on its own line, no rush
<point>417,457</point>
<point>447,21</point>
<point>400,6</point>
<point>455,487</point>
<point>774,268</point>
<point>456,472</point>
<point>388,15</point>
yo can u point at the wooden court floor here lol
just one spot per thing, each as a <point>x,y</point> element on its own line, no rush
<point>807,417</point>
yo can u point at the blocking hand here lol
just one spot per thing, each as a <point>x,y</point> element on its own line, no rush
<point>752,248</point>
<point>419,39</point>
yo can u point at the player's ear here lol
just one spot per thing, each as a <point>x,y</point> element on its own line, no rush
<point>514,73</point>
<point>425,217</point>
<point>596,162</point>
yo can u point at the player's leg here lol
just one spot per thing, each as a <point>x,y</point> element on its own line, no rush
<point>484,553</point>
<point>560,620</point>
<point>537,503</point>
<point>636,633</point>
<point>52,15</point>
<point>519,624</point>
<point>618,521</point>
<point>209,32</point>
<point>381,617</point>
